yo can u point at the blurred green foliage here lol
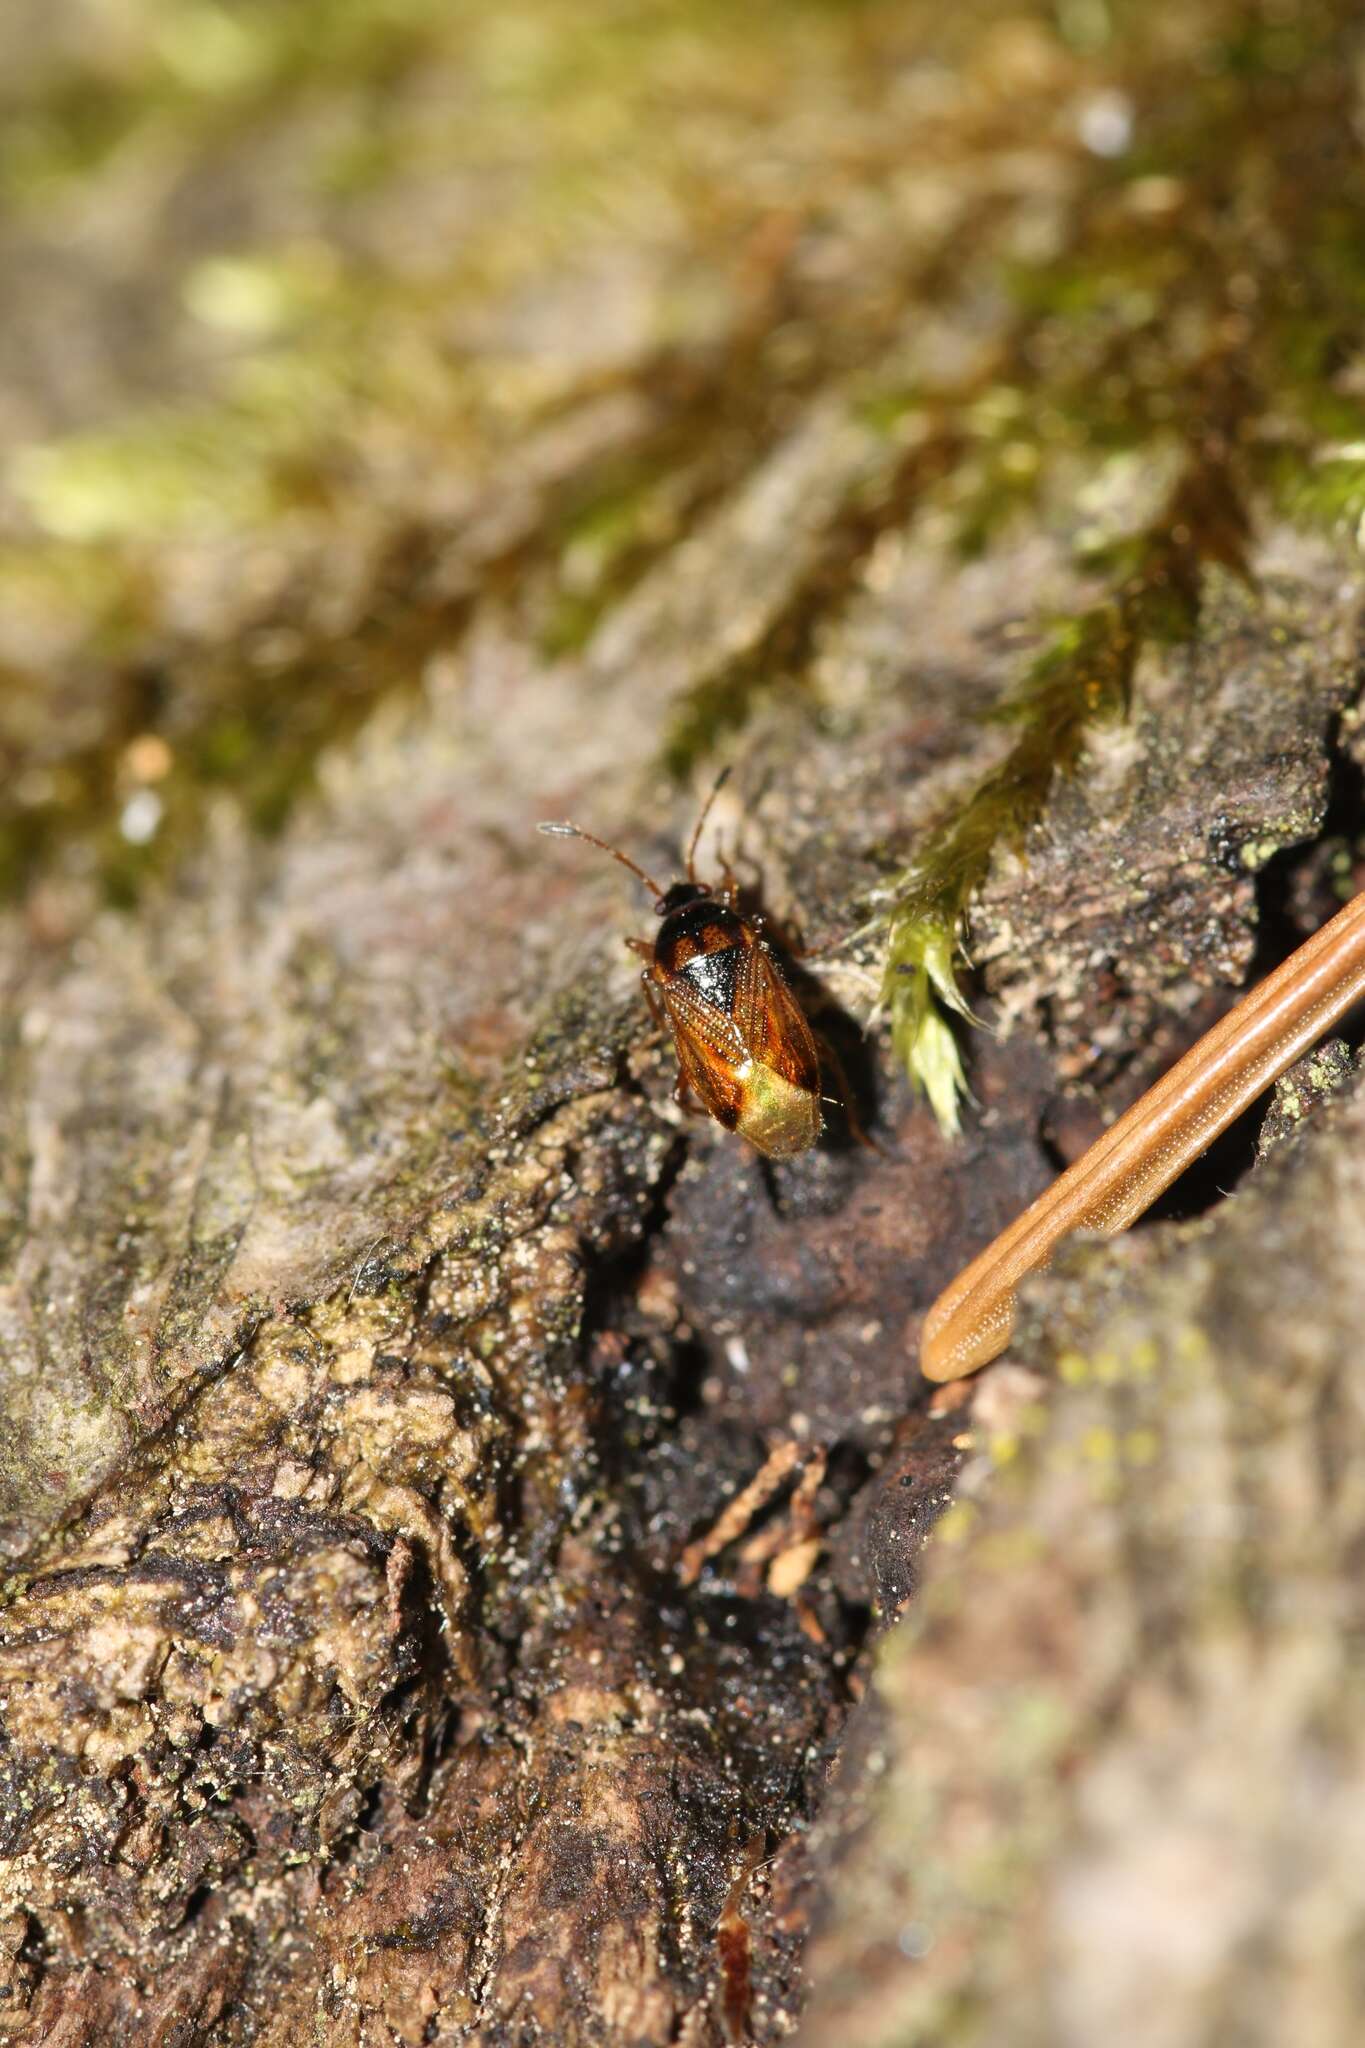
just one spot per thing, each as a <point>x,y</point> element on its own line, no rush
<point>334,322</point>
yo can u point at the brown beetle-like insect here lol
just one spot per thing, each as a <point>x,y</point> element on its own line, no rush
<point>743,1044</point>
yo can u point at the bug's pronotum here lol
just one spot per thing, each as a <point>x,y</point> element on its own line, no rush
<point>1153,1142</point>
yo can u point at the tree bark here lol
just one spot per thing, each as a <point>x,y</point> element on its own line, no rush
<point>382,1346</point>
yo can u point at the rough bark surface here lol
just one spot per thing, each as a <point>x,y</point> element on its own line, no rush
<point>381,1349</point>
<point>1118,1782</point>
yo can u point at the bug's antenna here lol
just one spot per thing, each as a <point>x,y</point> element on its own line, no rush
<point>565,830</point>
<point>716,788</point>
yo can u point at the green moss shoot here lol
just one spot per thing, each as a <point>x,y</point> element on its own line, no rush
<point>1082,677</point>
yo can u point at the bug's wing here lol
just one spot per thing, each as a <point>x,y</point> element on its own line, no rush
<point>709,1051</point>
<point>772,1023</point>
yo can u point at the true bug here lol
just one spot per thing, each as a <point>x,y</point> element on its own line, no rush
<point>743,1044</point>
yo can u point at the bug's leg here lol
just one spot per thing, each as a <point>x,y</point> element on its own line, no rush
<point>656,1008</point>
<point>647,983</point>
<point>845,1097</point>
<point>824,949</point>
<point>682,1095</point>
<point>794,941</point>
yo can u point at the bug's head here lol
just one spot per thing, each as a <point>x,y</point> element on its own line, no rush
<point>679,896</point>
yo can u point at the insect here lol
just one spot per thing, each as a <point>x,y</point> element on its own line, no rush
<point>744,1047</point>
<point>1153,1142</point>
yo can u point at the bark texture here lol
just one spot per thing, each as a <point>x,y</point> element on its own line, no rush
<point>465,1522</point>
<point>1118,1761</point>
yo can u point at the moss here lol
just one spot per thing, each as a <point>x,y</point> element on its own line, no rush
<point>610,528</point>
<point>1166,314</point>
<point>712,711</point>
<point>257,730</point>
<point>1327,491</point>
<point>192,63</point>
<point>1122,340</point>
<point>1082,676</point>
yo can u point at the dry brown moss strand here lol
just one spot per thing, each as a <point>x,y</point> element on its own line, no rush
<point>1151,1145</point>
